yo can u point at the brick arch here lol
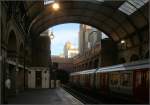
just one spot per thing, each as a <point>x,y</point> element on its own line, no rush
<point>11,28</point>
<point>104,16</point>
<point>12,45</point>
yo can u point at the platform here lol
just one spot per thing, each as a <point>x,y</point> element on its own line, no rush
<point>45,96</point>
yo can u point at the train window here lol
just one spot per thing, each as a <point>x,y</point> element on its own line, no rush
<point>126,79</point>
<point>101,78</point>
<point>97,79</point>
<point>143,79</point>
<point>91,79</point>
<point>138,79</point>
<point>106,79</point>
<point>82,76</point>
<point>147,78</point>
<point>115,79</point>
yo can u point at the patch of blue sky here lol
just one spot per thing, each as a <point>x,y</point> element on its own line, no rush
<point>62,34</point>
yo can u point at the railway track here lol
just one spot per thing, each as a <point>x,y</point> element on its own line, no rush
<point>80,96</point>
<point>90,99</point>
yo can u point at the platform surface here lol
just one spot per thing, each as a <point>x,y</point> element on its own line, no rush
<point>45,96</point>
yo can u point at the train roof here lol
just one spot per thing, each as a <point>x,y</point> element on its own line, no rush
<point>128,66</point>
<point>88,71</point>
<point>120,67</point>
<point>84,72</point>
<point>75,73</point>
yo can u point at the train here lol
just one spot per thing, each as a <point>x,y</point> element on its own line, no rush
<point>129,80</point>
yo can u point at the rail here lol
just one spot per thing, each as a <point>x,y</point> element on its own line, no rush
<point>81,96</point>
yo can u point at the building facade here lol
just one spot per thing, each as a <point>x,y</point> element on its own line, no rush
<point>99,56</point>
<point>39,74</point>
<point>38,77</point>
<point>65,64</point>
<point>88,37</point>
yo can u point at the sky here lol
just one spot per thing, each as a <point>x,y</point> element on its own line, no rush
<point>62,34</point>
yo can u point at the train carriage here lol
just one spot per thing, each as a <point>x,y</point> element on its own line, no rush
<point>128,81</point>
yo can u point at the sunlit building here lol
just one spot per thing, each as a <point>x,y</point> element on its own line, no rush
<point>69,50</point>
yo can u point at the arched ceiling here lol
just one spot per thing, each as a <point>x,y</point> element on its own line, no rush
<point>102,15</point>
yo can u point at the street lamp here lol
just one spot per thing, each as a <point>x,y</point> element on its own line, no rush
<point>55,6</point>
<point>51,36</point>
<point>122,41</point>
<point>123,44</point>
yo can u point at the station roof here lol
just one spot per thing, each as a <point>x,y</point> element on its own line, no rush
<point>116,18</point>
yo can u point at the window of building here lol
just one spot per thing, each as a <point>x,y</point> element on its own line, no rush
<point>122,60</point>
<point>134,57</point>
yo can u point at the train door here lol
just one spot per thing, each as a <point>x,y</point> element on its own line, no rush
<point>104,83</point>
<point>78,79</point>
<point>86,81</point>
<point>91,80</point>
<point>141,89</point>
<point>97,81</point>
